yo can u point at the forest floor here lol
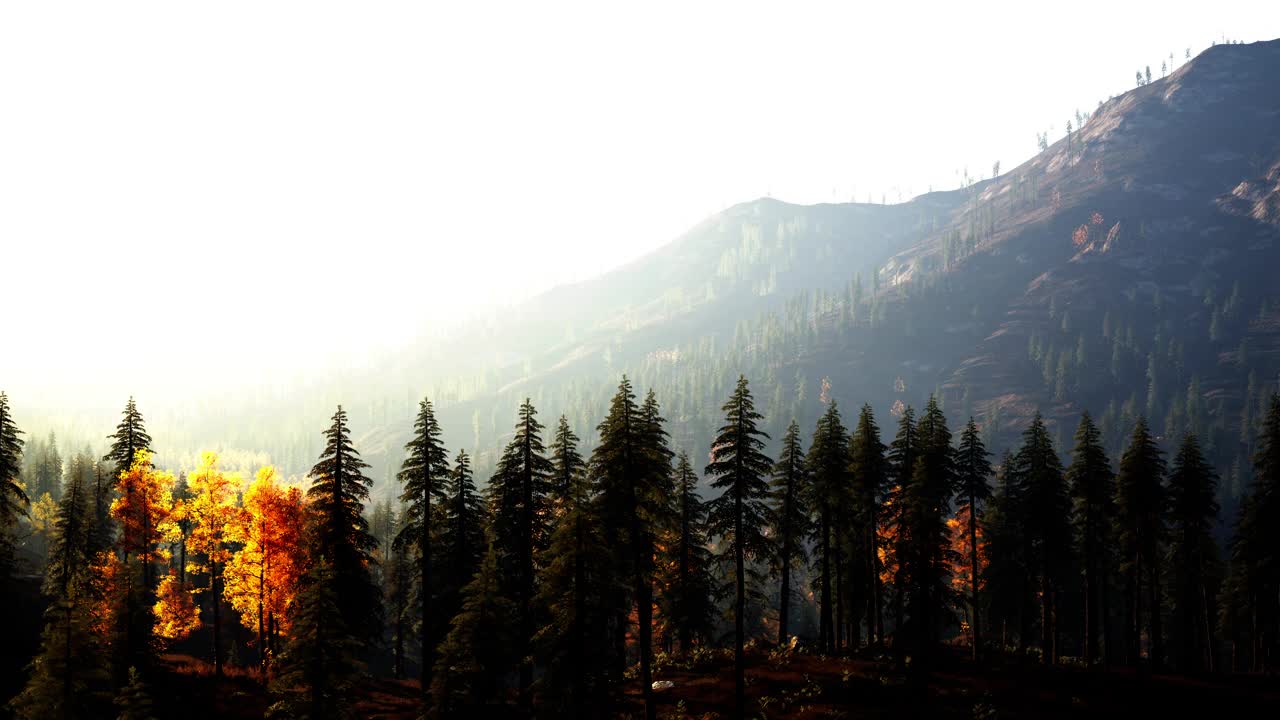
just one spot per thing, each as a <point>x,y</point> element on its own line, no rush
<point>795,686</point>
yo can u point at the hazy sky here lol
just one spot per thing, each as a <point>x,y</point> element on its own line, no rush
<point>215,186</point>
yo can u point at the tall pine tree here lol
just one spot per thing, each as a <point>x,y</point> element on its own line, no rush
<point>973,471</point>
<point>1092,485</point>
<point>13,500</point>
<point>1140,536</point>
<point>1194,557</point>
<point>130,437</point>
<point>337,496</point>
<point>788,519</point>
<point>424,473</point>
<point>870,473</point>
<point>828,463</point>
<point>519,495</point>
<point>739,516</point>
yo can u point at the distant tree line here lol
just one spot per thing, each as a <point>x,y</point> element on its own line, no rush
<point>569,576</point>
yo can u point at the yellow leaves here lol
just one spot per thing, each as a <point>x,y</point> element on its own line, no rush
<point>43,514</point>
<point>211,507</point>
<point>260,580</point>
<point>175,610</point>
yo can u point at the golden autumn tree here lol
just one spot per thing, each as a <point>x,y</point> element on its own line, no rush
<point>176,613</point>
<point>261,580</point>
<point>210,507</point>
<point>144,510</point>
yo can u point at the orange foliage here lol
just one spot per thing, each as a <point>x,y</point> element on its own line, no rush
<point>107,580</point>
<point>958,530</point>
<point>1080,236</point>
<point>143,509</point>
<point>260,581</point>
<point>176,613</point>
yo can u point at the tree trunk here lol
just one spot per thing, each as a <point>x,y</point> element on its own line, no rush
<point>973,577</point>
<point>825,641</point>
<point>739,660</point>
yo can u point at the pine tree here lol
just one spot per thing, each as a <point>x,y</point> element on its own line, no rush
<point>687,587</point>
<point>903,453</point>
<point>1045,509</point>
<point>828,463</point>
<point>973,468</point>
<point>337,495</point>
<point>739,516</point>
<point>462,542</point>
<point>130,437</point>
<point>13,500</point>
<point>632,493</point>
<point>1193,557</point>
<point>67,677</point>
<point>424,473</point>
<point>1260,539</point>
<point>566,461</point>
<point>575,588</point>
<point>788,518</point>
<point>1005,577</point>
<point>318,663</point>
<point>399,573</point>
<point>922,538</point>
<point>476,654</point>
<point>870,473</point>
<point>1092,485</point>
<point>1140,534</point>
<point>520,500</point>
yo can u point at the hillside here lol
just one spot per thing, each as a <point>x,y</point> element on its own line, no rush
<point>1127,269</point>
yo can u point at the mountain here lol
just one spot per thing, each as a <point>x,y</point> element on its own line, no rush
<point>1129,268</point>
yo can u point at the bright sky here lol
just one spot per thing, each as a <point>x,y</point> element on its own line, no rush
<point>215,186</point>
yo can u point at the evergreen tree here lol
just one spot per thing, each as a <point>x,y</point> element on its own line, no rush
<point>903,453</point>
<point>337,495</point>
<point>1092,485</point>
<point>519,495</point>
<point>973,468</point>
<point>870,473</point>
<point>1005,576</point>
<point>788,518</point>
<point>687,587</point>
<point>1140,534</point>
<point>1193,557</point>
<point>462,542</point>
<point>476,654</point>
<point>1260,541</point>
<point>13,501</point>
<point>632,492</point>
<point>566,461</point>
<point>828,464</point>
<point>1045,509</point>
<point>68,677</point>
<point>739,516</point>
<point>923,551</point>
<point>424,473</point>
<point>130,437</point>
<point>318,663</point>
<point>575,588</point>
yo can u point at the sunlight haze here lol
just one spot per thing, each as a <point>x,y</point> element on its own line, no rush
<point>181,183</point>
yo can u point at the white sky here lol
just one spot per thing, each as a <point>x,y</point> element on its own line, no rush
<point>203,175</point>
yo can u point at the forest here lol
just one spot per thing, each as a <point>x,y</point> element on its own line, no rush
<point>580,585</point>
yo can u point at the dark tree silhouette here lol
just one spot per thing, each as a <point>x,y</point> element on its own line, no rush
<point>424,473</point>
<point>318,664</point>
<point>973,471</point>
<point>1194,558</point>
<point>1092,485</point>
<point>687,587</point>
<point>337,495</point>
<point>130,437</point>
<point>870,472</point>
<point>1045,509</point>
<point>476,654</point>
<point>462,542</point>
<point>789,520</point>
<point>520,500</point>
<point>1140,535</point>
<point>828,463</point>
<point>739,516</point>
<point>13,501</point>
